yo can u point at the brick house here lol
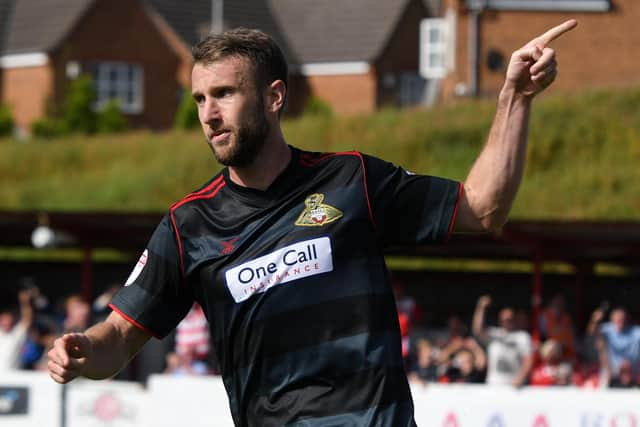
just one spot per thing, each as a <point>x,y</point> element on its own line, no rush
<point>599,53</point>
<point>356,55</point>
<point>45,43</point>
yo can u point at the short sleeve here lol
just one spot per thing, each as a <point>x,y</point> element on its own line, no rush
<point>409,208</point>
<point>154,297</point>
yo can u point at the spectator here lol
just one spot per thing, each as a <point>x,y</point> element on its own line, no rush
<point>77,314</point>
<point>45,334</point>
<point>14,331</point>
<point>622,339</point>
<point>552,368</point>
<point>409,315</point>
<point>555,323</point>
<point>185,363</point>
<point>192,336</point>
<point>406,304</point>
<point>424,368</point>
<point>100,305</point>
<point>509,350</point>
<point>625,377</point>
<point>466,362</point>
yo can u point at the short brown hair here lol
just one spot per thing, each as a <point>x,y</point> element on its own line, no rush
<point>262,52</point>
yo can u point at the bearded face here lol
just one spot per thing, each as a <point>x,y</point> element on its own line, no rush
<point>231,110</point>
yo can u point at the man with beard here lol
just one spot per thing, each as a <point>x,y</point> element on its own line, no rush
<point>283,249</point>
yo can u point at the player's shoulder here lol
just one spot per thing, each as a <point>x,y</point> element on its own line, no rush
<point>207,191</point>
<point>317,158</point>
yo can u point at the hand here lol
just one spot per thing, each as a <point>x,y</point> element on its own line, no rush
<point>597,316</point>
<point>25,295</point>
<point>69,356</point>
<point>484,301</point>
<point>533,67</point>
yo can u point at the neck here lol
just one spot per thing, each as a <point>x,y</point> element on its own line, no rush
<point>272,159</point>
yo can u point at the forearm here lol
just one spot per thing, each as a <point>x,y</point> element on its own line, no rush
<point>26,314</point>
<point>493,181</point>
<point>477,325</point>
<point>113,343</point>
<point>108,351</point>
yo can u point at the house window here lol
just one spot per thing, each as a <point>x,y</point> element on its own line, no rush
<point>433,48</point>
<point>411,89</point>
<point>121,81</point>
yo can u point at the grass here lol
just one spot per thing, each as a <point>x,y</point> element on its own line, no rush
<point>582,163</point>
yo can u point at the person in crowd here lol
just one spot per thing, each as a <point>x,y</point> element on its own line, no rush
<point>424,367</point>
<point>622,339</point>
<point>192,335</point>
<point>552,368</point>
<point>100,306</point>
<point>14,330</point>
<point>77,314</point>
<point>466,362</point>
<point>186,363</point>
<point>555,323</point>
<point>510,355</point>
<point>409,316</point>
<point>625,377</point>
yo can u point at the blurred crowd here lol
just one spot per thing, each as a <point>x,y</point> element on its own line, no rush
<point>606,354</point>
<point>554,353</point>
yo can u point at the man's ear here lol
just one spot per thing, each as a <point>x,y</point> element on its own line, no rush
<point>276,95</point>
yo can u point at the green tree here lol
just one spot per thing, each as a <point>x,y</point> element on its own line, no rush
<point>187,114</point>
<point>111,119</point>
<point>6,120</point>
<point>78,113</point>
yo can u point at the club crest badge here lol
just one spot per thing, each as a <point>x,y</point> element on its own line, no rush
<point>316,213</point>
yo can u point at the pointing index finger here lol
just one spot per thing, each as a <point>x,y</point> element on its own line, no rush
<point>552,34</point>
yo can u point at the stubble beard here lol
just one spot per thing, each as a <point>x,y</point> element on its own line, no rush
<point>246,141</point>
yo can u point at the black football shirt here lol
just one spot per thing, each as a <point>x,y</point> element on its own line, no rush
<point>294,285</point>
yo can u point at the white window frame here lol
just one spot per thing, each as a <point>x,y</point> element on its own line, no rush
<point>430,69</point>
<point>125,82</point>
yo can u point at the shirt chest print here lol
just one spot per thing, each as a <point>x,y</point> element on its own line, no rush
<point>316,213</point>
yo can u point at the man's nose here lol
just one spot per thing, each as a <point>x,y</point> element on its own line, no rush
<point>211,112</point>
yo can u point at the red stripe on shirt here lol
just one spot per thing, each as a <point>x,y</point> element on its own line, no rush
<point>195,196</point>
<point>455,213</point>
<point>133,322</point>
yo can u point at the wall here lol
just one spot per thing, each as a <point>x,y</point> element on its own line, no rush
<point>401,53</point>
<point>121,30</point>
<point>597,54</point>
<point>346,94</point>
<point>27,92</point>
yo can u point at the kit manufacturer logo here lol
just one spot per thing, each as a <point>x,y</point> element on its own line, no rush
<point>293,262</point>
<point>316,213</point>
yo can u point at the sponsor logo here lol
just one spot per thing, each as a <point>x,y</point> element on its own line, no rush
<point>229,246</point>
<point>13,400</point>
<point>316,213</point>
<point>105,408</point>
<point>142,261</point>
<point>293,262</point>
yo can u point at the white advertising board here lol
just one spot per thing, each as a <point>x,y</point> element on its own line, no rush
<point>29,399</point>
<point>188,401</point>
<point>106,403</point>
<point>482,406</point>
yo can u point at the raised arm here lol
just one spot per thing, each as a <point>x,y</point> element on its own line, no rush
<point>100,352</point>
<point>26,308</point>
<point>493,181</point>
<point>477,326</point>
